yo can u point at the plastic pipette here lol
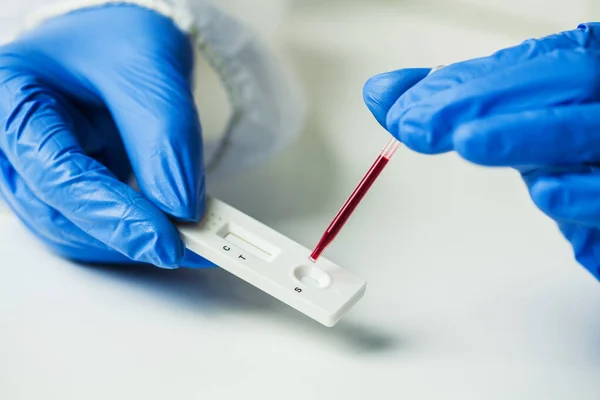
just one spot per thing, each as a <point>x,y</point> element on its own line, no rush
<point>355,198</point>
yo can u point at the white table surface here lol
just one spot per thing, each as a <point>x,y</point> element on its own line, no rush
<point>472,293</point>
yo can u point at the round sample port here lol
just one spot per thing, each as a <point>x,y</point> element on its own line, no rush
<point>312,277</point>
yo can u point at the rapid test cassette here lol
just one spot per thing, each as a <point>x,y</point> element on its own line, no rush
<point>273,263</point>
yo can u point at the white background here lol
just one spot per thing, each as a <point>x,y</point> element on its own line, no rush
<point>473,294</point>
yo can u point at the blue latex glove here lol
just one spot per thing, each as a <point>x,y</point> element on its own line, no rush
<point>534,107</point>
<point>87,98</point>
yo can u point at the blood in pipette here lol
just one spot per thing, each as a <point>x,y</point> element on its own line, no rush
<point>349,206</point>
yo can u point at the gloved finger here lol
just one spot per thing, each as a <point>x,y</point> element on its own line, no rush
<point>381,91</point>
<point>586,245</point>
<point>52,228</point>
<point>39,144</point>
<point>153,107</point>
<point>96,133</point>
<point>552,79</point>
<point>551,136</point>
<point>60,234</point>
<point>568,198</point>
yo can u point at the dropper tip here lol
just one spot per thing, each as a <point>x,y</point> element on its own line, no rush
<point>314,256</point>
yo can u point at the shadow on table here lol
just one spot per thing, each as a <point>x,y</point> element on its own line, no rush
<point>217,291</point>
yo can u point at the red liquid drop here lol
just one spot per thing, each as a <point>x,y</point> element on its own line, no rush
<point>349,206</point>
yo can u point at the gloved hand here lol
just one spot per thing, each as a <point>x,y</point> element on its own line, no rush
<point>87,98</point>
<point>534,107</point>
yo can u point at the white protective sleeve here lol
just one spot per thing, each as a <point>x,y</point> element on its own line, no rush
<point>267,105</point>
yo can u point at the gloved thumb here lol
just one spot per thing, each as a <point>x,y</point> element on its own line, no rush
<point>381,91</point>
<point>153,107</point>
